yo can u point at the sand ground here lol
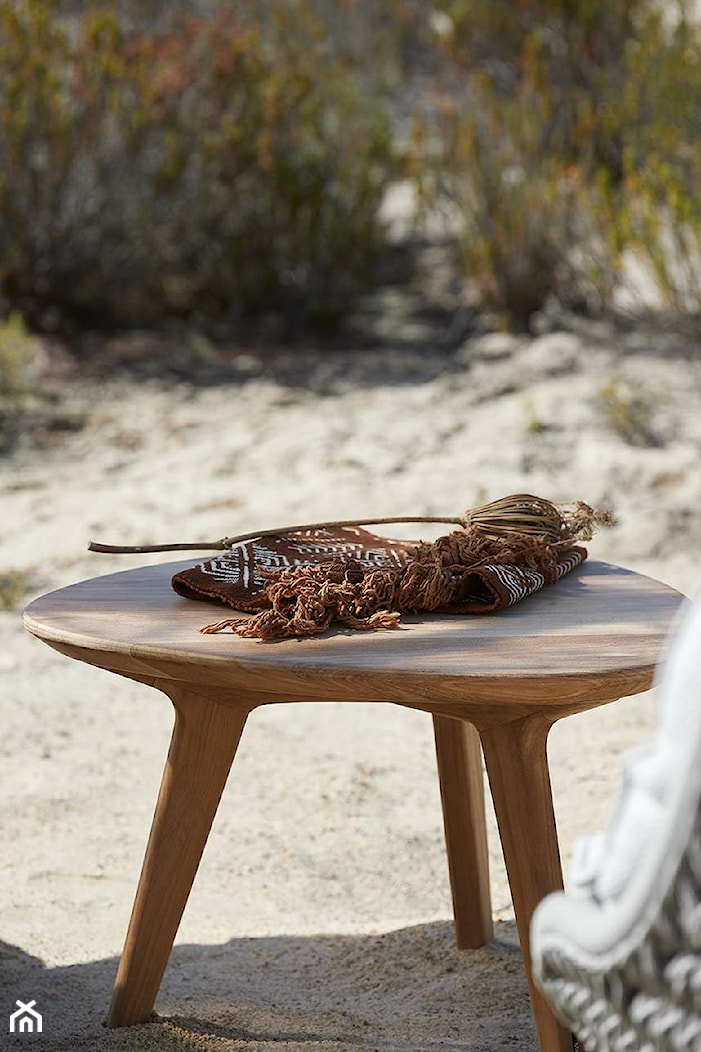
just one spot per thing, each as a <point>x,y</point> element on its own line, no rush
<point>320,918</point>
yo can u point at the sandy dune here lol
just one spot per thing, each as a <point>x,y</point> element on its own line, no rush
<point>320,917</point>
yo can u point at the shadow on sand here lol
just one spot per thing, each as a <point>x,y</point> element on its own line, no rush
<point>404,991</point>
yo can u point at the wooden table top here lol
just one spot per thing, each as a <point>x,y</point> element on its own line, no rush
<point>595,635</point>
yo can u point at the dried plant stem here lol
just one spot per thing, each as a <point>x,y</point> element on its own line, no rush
<point>521,513</point>
<point>229,542</point>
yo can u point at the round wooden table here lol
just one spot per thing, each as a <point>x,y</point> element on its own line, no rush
<point>501,680</point>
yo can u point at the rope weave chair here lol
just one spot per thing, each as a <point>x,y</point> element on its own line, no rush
<point>650,1000</point>
<point>623,971</point>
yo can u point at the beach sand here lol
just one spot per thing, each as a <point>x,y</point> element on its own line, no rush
<point>321,917</point>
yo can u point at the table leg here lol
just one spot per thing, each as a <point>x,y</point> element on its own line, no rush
<point>202,749</point>
<point>462,796</point>
<point>517,766</point>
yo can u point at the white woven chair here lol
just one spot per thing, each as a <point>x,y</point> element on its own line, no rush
<point>619,955</point>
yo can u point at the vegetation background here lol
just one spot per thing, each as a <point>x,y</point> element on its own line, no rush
<point>214,161</point>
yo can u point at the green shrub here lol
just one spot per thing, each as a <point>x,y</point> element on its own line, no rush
<point>18,356</point>
<point>571,138</point>
<point>20,396</point>
<point>14,586</point>
<point>515,213</point>
<point>660,120</point>
<point>571,54</point>
<point>628,410</point>
<point>201,167</point>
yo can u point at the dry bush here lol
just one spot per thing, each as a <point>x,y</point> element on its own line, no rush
<point>571,136</point>
<point>198,168</point>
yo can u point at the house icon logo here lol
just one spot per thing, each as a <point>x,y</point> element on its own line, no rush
<point>26,1020</point>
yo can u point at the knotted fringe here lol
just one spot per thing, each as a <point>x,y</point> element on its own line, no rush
<point>305,600</point>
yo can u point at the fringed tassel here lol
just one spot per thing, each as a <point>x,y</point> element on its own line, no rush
<point>522,513</point>
<point>304,601</point>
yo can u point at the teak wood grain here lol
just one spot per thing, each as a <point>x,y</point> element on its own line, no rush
<point>462,797</point>
<point>504,679</point>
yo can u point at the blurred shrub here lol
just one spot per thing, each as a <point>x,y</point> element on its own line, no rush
<point>660,120</point>
<point>14,586</point>
<point>571,54</point>
<point>570,137</point>
<point>18,356</point>
<point>202,167</point>
<point>628,410</point>
<point>20,360</point>
<point>514,212</point>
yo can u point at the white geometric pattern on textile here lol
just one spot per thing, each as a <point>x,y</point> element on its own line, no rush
<point>236,566</point>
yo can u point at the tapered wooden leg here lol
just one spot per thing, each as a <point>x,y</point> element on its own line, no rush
<point>462,796</point>
<point>517,766</point>
<point>202,749</point>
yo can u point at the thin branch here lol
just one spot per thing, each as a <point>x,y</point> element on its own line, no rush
<point>230,542</point>
<point>521,513</point>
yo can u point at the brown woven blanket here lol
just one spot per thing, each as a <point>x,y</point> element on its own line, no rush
<point>297,584</point>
